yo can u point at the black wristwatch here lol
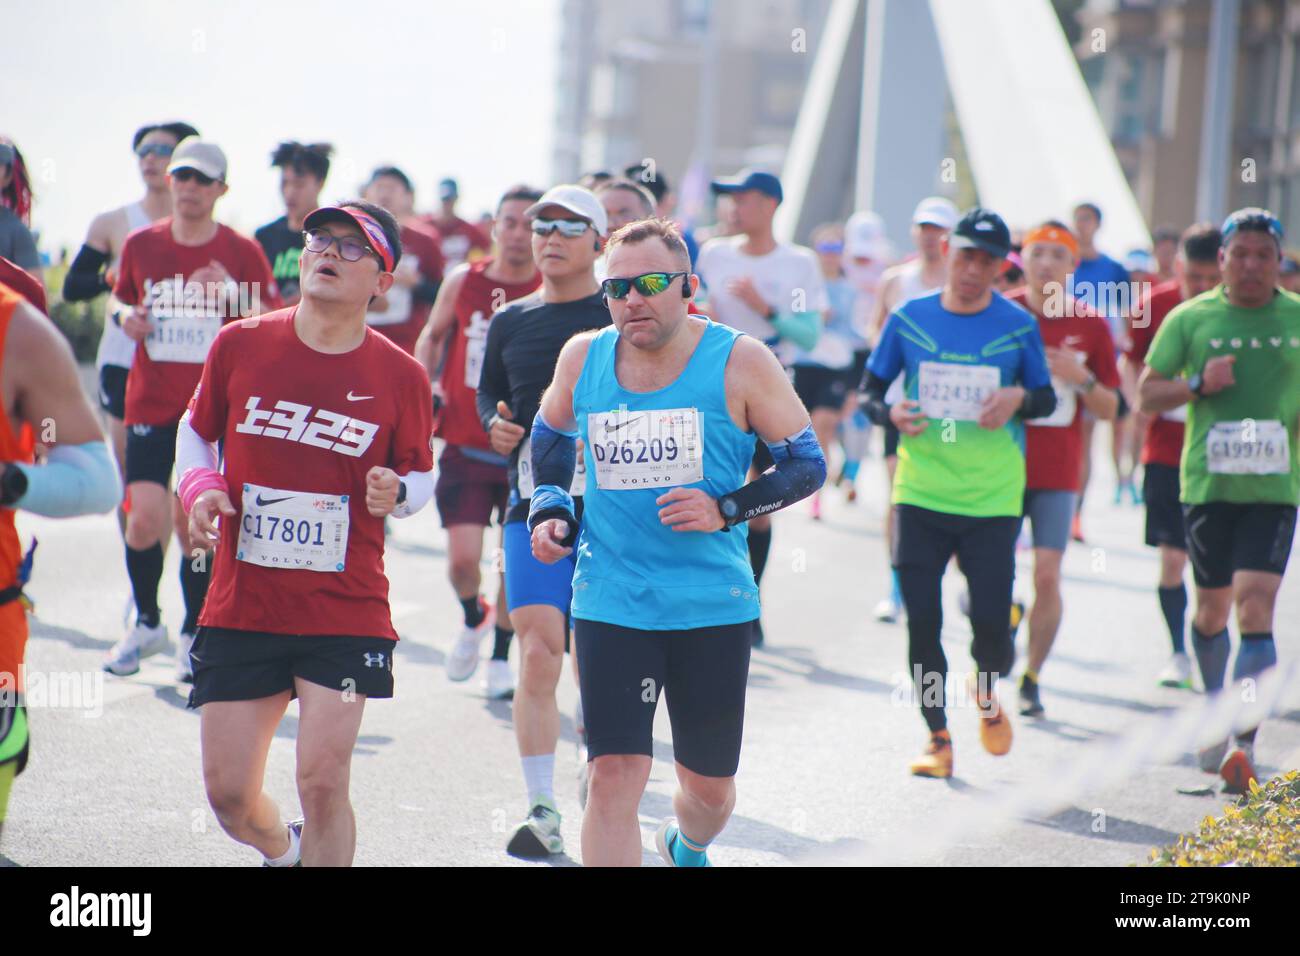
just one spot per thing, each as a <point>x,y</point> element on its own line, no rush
<point>13,484</point>
<point>401,492</point>
<point>1194,384</point>
<point>729,510</point>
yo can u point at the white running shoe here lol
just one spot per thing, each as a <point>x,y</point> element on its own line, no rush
<point>539,834</point>
<point>462,662</point>
<point>1177,673</point>
<point>499,684</point>
<point>184,666</point>
<point>141,642</point>
<point>887,611</point>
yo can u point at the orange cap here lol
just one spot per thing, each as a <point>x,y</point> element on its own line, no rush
<point>1052,234</point>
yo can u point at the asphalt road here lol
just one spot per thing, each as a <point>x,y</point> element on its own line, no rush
<point>115,772</point>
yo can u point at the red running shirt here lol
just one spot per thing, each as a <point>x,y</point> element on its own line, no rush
<point>477,300</point>
<point>306,427</point>
<point>1054,453</point>
<point>186,315</point>
<point>1163,444</point>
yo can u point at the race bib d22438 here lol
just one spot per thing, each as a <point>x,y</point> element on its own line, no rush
<point>958,392</point>
<point>652,448</point>
<point>293,529</point>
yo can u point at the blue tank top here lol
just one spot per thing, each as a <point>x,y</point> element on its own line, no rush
<point>632,570</point>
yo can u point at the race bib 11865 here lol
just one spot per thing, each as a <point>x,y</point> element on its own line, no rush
<point>654,448</point>
<point>293,529</point>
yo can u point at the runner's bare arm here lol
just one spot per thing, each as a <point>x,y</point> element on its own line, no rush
<point>432,343</point>
<point>557,401</point>
<point>1158,394</point>
<point>759,393</point>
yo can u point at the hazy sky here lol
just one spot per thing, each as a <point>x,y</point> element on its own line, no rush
<point>440,88</point>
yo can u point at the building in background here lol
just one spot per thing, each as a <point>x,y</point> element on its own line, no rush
<point>634,81</point>
<point>1149,82</point>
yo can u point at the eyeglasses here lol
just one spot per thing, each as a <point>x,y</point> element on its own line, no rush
<point>155,149</point>
<point>351,248</point>
<point>186,174</point>
<point>571,228</point>
<point>651,283</point>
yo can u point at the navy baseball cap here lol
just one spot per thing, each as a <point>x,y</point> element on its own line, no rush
<point>748,179</point>
<point>982,229</point>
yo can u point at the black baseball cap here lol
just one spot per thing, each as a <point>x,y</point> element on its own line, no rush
<point>983,229</point>
<point>748,179</point>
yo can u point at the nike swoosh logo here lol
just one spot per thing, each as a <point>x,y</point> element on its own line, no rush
<point>263,502</point>
<point>358,398</point>
<point>610,429</point>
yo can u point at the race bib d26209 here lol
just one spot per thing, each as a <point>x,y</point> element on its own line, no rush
<point>653,448</point>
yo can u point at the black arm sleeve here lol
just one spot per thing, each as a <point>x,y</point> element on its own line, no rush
<point>85,278</point>
<point>493,385</point>
<point>1123,404</point>
<point>1038,403</point>
<point>873,390</point>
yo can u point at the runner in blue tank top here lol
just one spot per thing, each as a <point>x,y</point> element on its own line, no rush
<point>664,599</point>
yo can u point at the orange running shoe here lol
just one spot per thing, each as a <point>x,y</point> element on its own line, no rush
<point>995,725</point>
<point>1239,769</point>
<point>936,759</point>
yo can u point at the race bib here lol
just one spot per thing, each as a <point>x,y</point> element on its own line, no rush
<point>1248,448</point>
<point>181,338</point>
<point>398,297</point>
<point>1178,414</point>
<point>1063,415</point>
<point>475,347</point>
<point>656,448</point>
<point>525,471</point>
<point>293,529</point>
<point>956,391</point>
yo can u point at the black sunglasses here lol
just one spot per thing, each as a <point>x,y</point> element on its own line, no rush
<point>187,174</point>
<point>650,283</point>
<point>155,149</point>
<point>351,248</point>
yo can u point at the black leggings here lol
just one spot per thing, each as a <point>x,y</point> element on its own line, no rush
<point>924,542</point>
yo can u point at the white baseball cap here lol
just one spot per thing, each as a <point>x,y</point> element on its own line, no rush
<point>579,201</point>
<point>195,153</point>
<point>864,236</point>
<point>935,211</point>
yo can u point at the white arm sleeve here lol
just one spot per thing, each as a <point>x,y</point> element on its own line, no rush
<point>75,480</point>
<point>193,450</point>
<point>419,492</point>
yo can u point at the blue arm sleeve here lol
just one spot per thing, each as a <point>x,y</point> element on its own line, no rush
<point>800,470</point>
<point>75,480</point>
<point>555,456</point>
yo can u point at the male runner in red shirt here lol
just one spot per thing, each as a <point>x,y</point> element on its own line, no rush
<point>472,478</point>
<point>1196,270</point>
<point>185,276</point>
<point>402,312</point>
<point>1081,357</point>
<point>327,430</point>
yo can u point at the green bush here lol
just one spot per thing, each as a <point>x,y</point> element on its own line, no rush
<point>82,323</point>
<point>1261,829</point>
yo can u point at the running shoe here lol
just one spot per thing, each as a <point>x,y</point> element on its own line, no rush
<point>296,826</point>
<point>1238,769</point>
<point>666,837</point>
<point>1177,673</point>
<point>1134,493</point>
<point>995,725</point>
<point>888,611</point>
<point>184,665</point>
<point>499,684</point>
<point>1030,704</point>
<point>143,641</point>
<point>462,662</point>
<point>936,759</point>
<point>539,835</point>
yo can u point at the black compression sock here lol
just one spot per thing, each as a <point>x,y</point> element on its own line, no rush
<point>473,609</point>
<point>1173,604</point>
<point>501,649</point>
<point>194,585</point>
<point>760,543</point>
<point>144,567</point>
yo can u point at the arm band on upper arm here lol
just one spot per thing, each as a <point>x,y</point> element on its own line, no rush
<point>800,470</point>
<point>1038,403</point>
<point>419,492</point>
<point>555,456</point>
<point>85,278</point>
<point>873,401</point>
<point>75,480</point>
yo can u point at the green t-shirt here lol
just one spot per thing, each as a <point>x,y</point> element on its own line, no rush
<point>1240,444</point>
